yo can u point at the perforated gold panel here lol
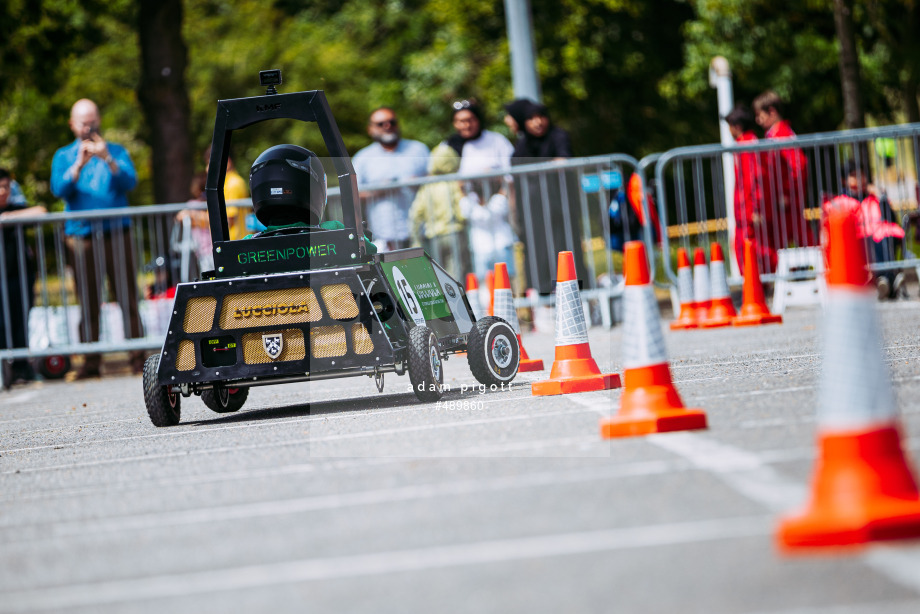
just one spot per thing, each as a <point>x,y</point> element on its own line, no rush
<point>327,341</point>
<point>268,308</point>
<point>340,302</point>
<point>185,358</point>
<point>361,339</point>
<point>292,347</point>
<point>199,314</point>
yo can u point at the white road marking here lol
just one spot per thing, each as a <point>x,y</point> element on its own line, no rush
<point>20,397</point>
<point>902,566</point>
<point>80,425</point>
<point>262,509</point>
<point>745,472</point>
<point>875,607</point>
<point>491,450</point>
<point>381,563</point>
<point>204,428</point>
<point>734,363</point>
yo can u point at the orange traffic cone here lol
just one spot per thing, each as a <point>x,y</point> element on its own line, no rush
<point>721,309</point>
<point>574,369</point>
<point>754,308</point>
<point>504,309</point>
<point>701,284</point>
<point>687,317</point>
<point>472,294</point>
<point>650,403</point>
<point>490,290</point>
<point>863,489</point>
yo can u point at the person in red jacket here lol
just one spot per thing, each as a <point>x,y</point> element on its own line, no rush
<point>876,224</point>
<point>751,217</point>
<point>785,176</point>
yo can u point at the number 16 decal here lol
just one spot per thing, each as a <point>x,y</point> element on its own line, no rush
<point>408,296</point>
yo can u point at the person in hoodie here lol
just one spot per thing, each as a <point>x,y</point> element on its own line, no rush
<point>549,209</point>
<point>752,219</point>
<point>876,224</point>
<point>785,176</point>
<point>435,214</point>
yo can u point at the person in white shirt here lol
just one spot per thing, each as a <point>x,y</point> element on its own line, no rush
<point>485,204</point>
<point>389,159</point>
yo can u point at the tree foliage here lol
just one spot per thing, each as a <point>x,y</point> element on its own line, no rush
<point>622,75</point>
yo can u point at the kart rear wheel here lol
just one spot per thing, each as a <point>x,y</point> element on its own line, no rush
<point>162,406</point>
<point>224,400</point>
<point>493,352</point>
<point>52,367</point>
<point>425,369</point>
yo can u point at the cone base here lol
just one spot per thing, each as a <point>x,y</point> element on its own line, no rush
<point>662,421</point>
<point>863,491</point>
<point>717,322</point>
<point>887,519</point>
<point>686,319</point>
<point>757,319</point>
<point>569,385</point>
<point>684,324</point>
<point>530,364</point>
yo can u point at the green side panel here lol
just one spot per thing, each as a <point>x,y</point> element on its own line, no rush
<point>422,298</point>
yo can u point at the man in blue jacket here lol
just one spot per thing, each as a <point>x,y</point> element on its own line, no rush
<point>91,174</point>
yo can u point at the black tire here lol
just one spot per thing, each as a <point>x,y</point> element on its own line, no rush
<point>223,399</point>
<point>425,369</point>
<point>52,367</point>
<point>162,405</point>
<point>492,351</point>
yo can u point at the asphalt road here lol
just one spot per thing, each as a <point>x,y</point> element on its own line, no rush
<point>330,497</point>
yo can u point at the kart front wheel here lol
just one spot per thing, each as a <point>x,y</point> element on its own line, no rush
<point>224,400</point>
<point>162,406</point>
<point>493,352</point>
<point>425,369</point>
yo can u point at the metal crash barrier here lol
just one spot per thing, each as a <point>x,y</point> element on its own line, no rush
<point>589,206</point>
<point>551,206</point>
<point>775,192</point>
<point>125,255</point>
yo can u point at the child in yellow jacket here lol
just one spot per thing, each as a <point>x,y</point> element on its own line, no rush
<point>435,215</point>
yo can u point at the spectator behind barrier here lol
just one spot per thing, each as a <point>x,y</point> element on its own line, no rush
<point>550,213</point>
<point>91,174</point>
<point>486,204</point>
<point>785,178</point>
<point>389,159</point>
<point>876,224</point>
<point>20,278</point>
<point>436,213</point>
<point>752,218</point>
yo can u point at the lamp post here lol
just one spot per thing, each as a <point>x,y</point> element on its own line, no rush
<point>520,41</point>
<point>720,78</point>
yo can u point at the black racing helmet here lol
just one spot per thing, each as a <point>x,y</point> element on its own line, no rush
<point>288,185</point>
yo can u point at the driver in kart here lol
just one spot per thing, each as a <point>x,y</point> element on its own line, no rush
<point>289,192</point>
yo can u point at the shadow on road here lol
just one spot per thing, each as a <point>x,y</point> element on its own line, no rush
<point>330,407</point>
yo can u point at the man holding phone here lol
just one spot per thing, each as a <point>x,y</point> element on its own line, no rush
<point>90,174</point>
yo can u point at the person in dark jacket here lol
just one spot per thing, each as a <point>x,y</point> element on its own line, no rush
<point>549,209</point>
<point>540,138</point>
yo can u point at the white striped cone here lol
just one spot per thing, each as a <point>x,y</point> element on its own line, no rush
<point>650,403</point>
<point>473,295</point>
<point>504,309</point>
<point>864,488</point>
<point>687,317</point>
<point>721,309</point>
<point>574,369</point>
<point>701,285</point>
